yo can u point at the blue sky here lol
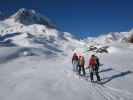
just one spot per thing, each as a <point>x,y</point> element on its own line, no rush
<point>80,17</point>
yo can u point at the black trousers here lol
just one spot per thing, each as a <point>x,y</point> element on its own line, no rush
<point>81,68</point>
<point>94,70</point>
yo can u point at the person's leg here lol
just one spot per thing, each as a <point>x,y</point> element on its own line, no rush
<point>91,73</point>
<point>97,67</point>
<point>79,69</point>
<point>97,74</point>
<point>73,63</point>
<point>83,69</point>
<point>91,76</point>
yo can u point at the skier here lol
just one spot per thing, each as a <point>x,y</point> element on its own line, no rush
<point>75,62</point>
<point>93,68</point>
<point>81,65</point>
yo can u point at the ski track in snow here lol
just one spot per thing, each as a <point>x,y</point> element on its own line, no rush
<point>107,92</point>
<point>110,94</point>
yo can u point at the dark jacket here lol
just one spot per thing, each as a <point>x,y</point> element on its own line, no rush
<point>75,57</point>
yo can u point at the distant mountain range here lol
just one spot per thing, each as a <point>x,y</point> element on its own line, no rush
<point>29,28</point>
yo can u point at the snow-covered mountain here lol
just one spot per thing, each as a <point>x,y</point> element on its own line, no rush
<point>30,29</point>
<point>110,38</point>
<point>29,17</point>
<point>27,21</point>
<point>103,42</point>
<point>27,28</point>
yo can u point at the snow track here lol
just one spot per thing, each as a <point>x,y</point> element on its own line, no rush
<point>110,93</point>
<point>106,92</point>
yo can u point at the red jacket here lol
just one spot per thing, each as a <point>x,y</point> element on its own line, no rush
<point>92,61</point>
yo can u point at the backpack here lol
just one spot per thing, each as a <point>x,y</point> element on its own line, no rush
<point>92,61</point>
<point>81,61</point>
<point>75,57</point>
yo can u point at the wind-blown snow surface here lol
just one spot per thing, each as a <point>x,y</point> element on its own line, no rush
<point>51,78</point>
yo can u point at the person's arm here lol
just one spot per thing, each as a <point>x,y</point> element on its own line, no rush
<point>89,62</point>
<point>72,60</point>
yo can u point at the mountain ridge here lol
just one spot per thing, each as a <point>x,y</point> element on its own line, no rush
<point>27,22</point>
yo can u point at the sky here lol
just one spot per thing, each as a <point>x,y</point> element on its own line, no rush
<point>80,17</point>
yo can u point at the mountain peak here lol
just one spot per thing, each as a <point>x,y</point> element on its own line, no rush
<point>28,17</point>
<point>26,11</point>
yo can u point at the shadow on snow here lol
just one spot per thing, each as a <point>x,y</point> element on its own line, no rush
<point>121,74</point>
<point>106,70</point>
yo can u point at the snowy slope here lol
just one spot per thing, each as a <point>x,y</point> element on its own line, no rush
<point>42,78</point>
